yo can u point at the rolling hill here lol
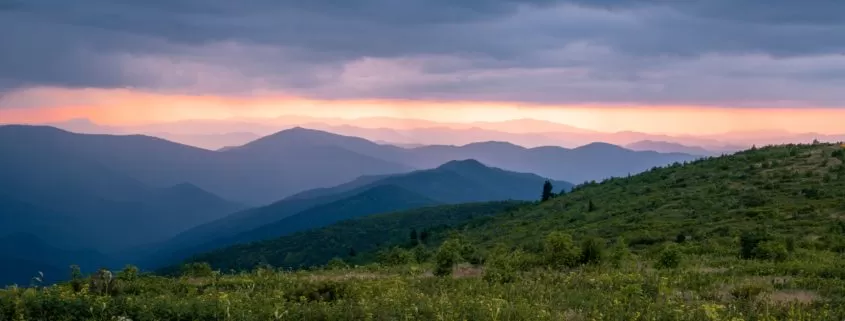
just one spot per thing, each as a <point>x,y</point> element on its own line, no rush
<point>792,191</point>
<point>791,194</point>
<point>362,235</point>
<point>451,183</point>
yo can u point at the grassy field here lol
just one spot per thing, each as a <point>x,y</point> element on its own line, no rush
<point>753,236</point>
<point>631,292</point>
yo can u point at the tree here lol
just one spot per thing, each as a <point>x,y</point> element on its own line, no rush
<point>547,191</point>
<point>590,206</point>
<point>414,238</point>
<point>352,252</point>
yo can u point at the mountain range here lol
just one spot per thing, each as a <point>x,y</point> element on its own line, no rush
<point>130,196</point>
<point>454,182</point>
<point>215,134</point>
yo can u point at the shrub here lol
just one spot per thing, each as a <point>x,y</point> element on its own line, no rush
<point>502,265</point>
<point>670,257</point>
<point>748,242</point>
<point>447,256</point>
<point>559,251</point>
<point>761,245</point>
<point>128,274</point>
<point>420,253</point>
<point>471,254</point>
<point>197,269</point>
<point>76,279</point>
<point>336,263</point>
<point>620,253</point>
<point>395,256</point>
<point>592,251</point>
<point>771,250</point>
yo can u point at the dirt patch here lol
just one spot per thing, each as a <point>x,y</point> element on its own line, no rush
<point>345,276</point>
<point>711,270</point>
<point>467,272</point>
<point>793,296</point>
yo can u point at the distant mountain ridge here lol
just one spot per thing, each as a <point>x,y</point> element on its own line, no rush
<point>594,161</point>
<point>255,174</point>
<point>669,147</point>
<point>454,182</point>
<point>46,172</point>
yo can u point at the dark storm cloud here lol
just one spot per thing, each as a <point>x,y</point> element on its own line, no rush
<point>690,51</point>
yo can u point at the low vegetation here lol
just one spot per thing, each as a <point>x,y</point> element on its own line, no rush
<point>753,236</point>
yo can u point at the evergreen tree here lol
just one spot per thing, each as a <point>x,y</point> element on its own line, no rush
<point>414,238</point>
<point>590,206</point>
<point>547,191</point>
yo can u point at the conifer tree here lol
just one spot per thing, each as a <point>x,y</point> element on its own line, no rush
<point>547,191</point>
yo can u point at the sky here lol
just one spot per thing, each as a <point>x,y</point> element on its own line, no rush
<point>660,66</point>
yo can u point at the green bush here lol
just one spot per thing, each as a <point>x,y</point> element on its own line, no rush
<point>592,251</point>
<point>128,274</point>
<point>447,256</point>
<point>559,251</point>
<point>503,265</point>
<point>669,258</point>
<point>395,256</point>
<point>771,250</point>
<point>620,253</point>
<point>197,269</point>
<point>421,253</point>
<point>336,263</point>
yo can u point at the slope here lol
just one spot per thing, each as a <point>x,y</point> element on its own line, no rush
<point>789,196</point>
<point>24,255</point>
<point>351,239</point>
<point>450,183</point>
<point>792,192</point>
<point>45,170</point>
<point>377,199</point>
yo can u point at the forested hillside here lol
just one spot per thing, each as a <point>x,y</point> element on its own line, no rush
<point>351,237</point>
<point>454,182</point>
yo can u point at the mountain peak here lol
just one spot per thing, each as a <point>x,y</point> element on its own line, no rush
<point>463,165</point>
<point>600,146</point>
<point>295,136</point>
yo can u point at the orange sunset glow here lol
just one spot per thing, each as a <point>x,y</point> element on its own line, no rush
<point>127,107</point>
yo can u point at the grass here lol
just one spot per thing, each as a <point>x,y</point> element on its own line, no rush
<point>412,293</point>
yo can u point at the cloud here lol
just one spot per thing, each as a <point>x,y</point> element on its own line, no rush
<point>751,52</point>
